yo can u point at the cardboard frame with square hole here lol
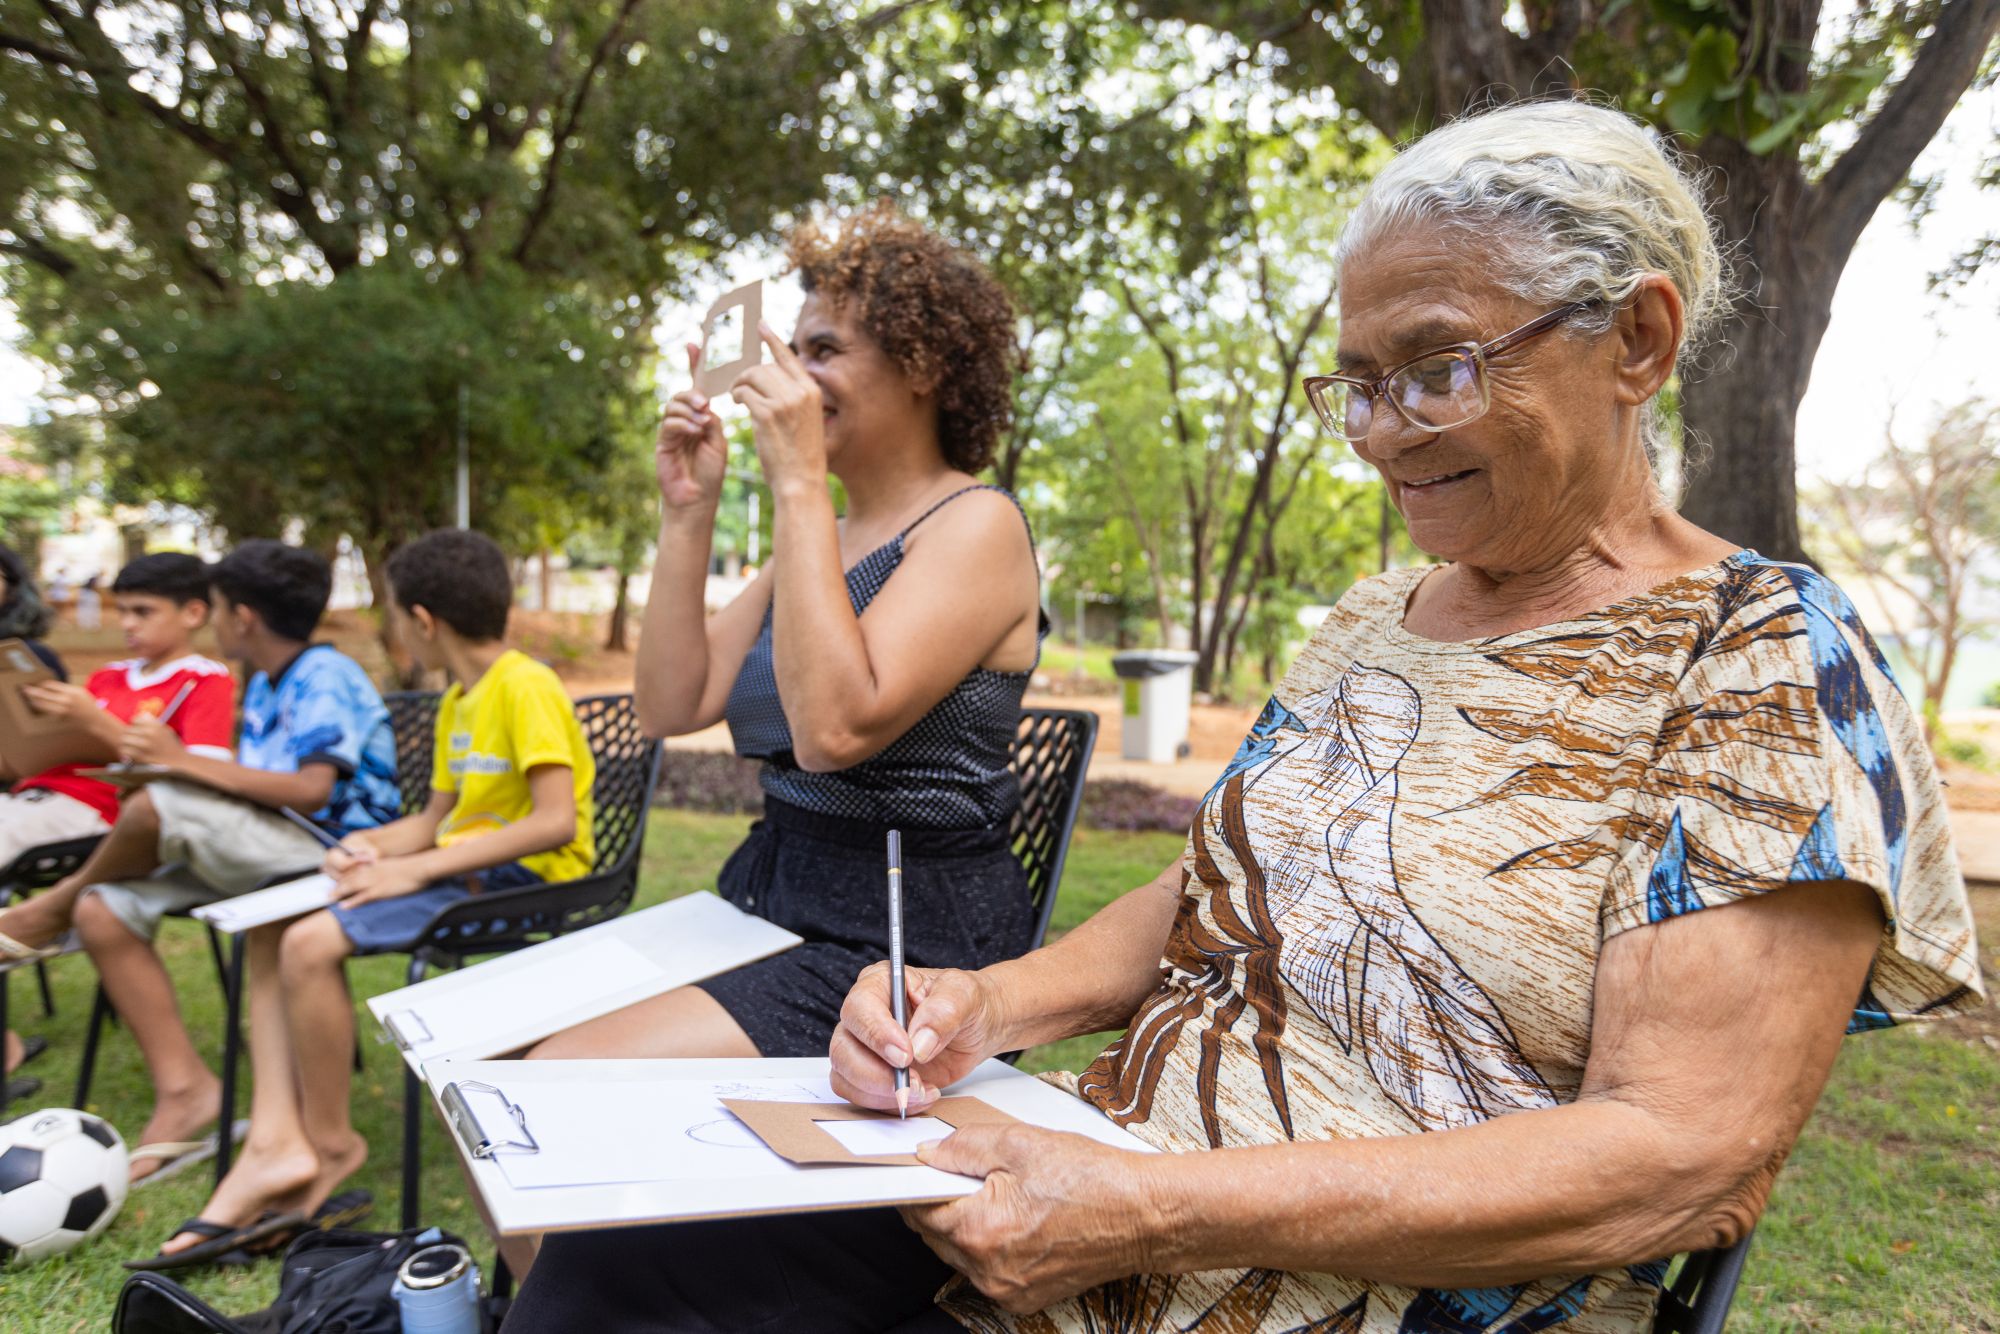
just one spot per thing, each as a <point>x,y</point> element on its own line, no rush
<point>38,741</point>
<point>714,381</point>
<point>791,1129</point>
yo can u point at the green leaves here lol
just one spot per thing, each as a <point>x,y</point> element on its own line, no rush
<point>1696,91</point>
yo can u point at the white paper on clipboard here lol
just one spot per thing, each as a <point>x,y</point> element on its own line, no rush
<point>504,1004</point>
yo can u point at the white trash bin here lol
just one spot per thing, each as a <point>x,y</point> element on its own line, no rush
<point>1159,685</point>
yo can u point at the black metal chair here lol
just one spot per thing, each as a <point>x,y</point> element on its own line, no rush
<point>1051,753</point>
<point>1697,1300</point>
<point>628,769</point>
<point>37,868</point>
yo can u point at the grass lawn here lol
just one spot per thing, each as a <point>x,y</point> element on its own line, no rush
<point>1884,1220</point>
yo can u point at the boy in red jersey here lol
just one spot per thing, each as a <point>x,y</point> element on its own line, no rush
<point>161,600</point>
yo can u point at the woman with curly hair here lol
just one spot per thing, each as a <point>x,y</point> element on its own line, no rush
<point>876,664</point>
<point>23,614</point>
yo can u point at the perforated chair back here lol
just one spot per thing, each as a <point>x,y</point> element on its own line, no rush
<point>628,769</point>
<point>1051,752</point>
<point>413,720</point>
<point>41,866</point>
<point>1697,1301</point>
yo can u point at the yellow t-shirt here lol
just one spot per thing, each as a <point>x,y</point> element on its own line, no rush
<point>515,717</point>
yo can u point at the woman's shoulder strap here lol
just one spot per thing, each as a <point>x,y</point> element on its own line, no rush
<point>966,491</point>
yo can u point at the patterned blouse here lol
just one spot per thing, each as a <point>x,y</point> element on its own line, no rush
<point>1398,891</point>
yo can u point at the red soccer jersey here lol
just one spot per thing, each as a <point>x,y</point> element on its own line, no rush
<point>205,721</point>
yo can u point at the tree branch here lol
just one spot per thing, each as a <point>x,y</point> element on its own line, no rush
<point>1881,155</point>
<point>559,144</point>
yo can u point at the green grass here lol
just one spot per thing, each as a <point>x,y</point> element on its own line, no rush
<point>1884,1220</point>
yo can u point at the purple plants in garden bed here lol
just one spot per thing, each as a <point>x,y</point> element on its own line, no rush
<point>1124,803</point>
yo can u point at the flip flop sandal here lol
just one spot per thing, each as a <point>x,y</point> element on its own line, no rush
<point>271,1233</point>
<point>181,1154</point>
<point>13,953</point>
<point>26,1086</point>
<point>221,1244</point>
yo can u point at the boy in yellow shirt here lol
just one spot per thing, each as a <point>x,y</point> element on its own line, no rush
<point>510,807</point>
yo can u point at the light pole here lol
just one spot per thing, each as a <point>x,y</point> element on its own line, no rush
<point>464,456</point>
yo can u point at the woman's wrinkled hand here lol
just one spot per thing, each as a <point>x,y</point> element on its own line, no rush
<point>787,415</point>
<point>954,1025</point>
<point>690,455</point>
<point>1058,1214</point>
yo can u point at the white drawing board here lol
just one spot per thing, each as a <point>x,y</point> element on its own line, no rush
<point>628,1142</point>
<point>505,1004</point>
<point>264,906</point>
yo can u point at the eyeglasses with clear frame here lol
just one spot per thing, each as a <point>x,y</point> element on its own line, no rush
<point>1434,391</point>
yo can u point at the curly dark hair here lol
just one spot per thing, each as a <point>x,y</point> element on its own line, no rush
<point>458,576</point>
<point>943,319</point>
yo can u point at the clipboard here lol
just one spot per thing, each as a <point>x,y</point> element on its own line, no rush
<point>31,742</point>
<point>494,1112</point>
<point>516,1000</point>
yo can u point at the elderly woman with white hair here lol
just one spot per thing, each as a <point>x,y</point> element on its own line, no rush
<point>1429,1018</point>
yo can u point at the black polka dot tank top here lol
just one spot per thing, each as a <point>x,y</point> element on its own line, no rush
<point>949,771</point>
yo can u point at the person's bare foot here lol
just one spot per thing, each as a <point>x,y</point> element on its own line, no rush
<point>31,923</point>
<point>337,1162</point>
<point>16,1052</point>
<point>179,1116</point>
<point>279,1177</point>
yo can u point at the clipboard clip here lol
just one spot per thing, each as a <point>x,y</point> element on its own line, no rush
<point>407,1028</point>
<point>465,1123</point>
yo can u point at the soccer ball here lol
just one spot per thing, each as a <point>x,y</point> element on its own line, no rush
<point>62,1178</point>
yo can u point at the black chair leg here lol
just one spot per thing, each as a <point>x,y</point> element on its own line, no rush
<point>100,1014</point>
<point>48,997</point>
<point>232,1047</point>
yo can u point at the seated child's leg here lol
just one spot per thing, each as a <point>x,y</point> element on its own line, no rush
<point>278,1168</point>
<point>186,1095</point>
<point>319,1013</point>
<point>130,850</point>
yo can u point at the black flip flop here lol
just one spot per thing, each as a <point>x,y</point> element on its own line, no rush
<point>271,1233</point>
<point>26,1086</point>
<point>221,1244</point>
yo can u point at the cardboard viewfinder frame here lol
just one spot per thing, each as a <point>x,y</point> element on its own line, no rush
<point>791,1129</point>
<point>714,380</point>
<point>38,741</point>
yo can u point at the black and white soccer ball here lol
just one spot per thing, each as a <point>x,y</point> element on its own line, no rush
<point>62,1179</point>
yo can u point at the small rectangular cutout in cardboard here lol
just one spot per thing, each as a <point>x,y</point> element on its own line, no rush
<point>730,343</point>
<point>793,1130</point>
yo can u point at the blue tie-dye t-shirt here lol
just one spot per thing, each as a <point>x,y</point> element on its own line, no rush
<point>1395,898</point>
<point>323,709</point>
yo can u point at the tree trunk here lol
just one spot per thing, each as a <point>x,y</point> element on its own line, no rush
<point>1741,412</point>
<point>618,638</point>
<point>403,671</point>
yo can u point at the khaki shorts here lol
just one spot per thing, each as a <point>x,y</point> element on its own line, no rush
<point>212,847</point>
<point>30,819</point>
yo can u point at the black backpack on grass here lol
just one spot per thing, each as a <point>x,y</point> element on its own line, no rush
<point>335,1282</point>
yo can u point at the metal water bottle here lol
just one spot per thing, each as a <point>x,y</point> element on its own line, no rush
<point>437,1290</point>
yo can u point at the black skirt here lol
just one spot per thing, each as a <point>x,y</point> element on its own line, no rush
<point>965,905</point>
